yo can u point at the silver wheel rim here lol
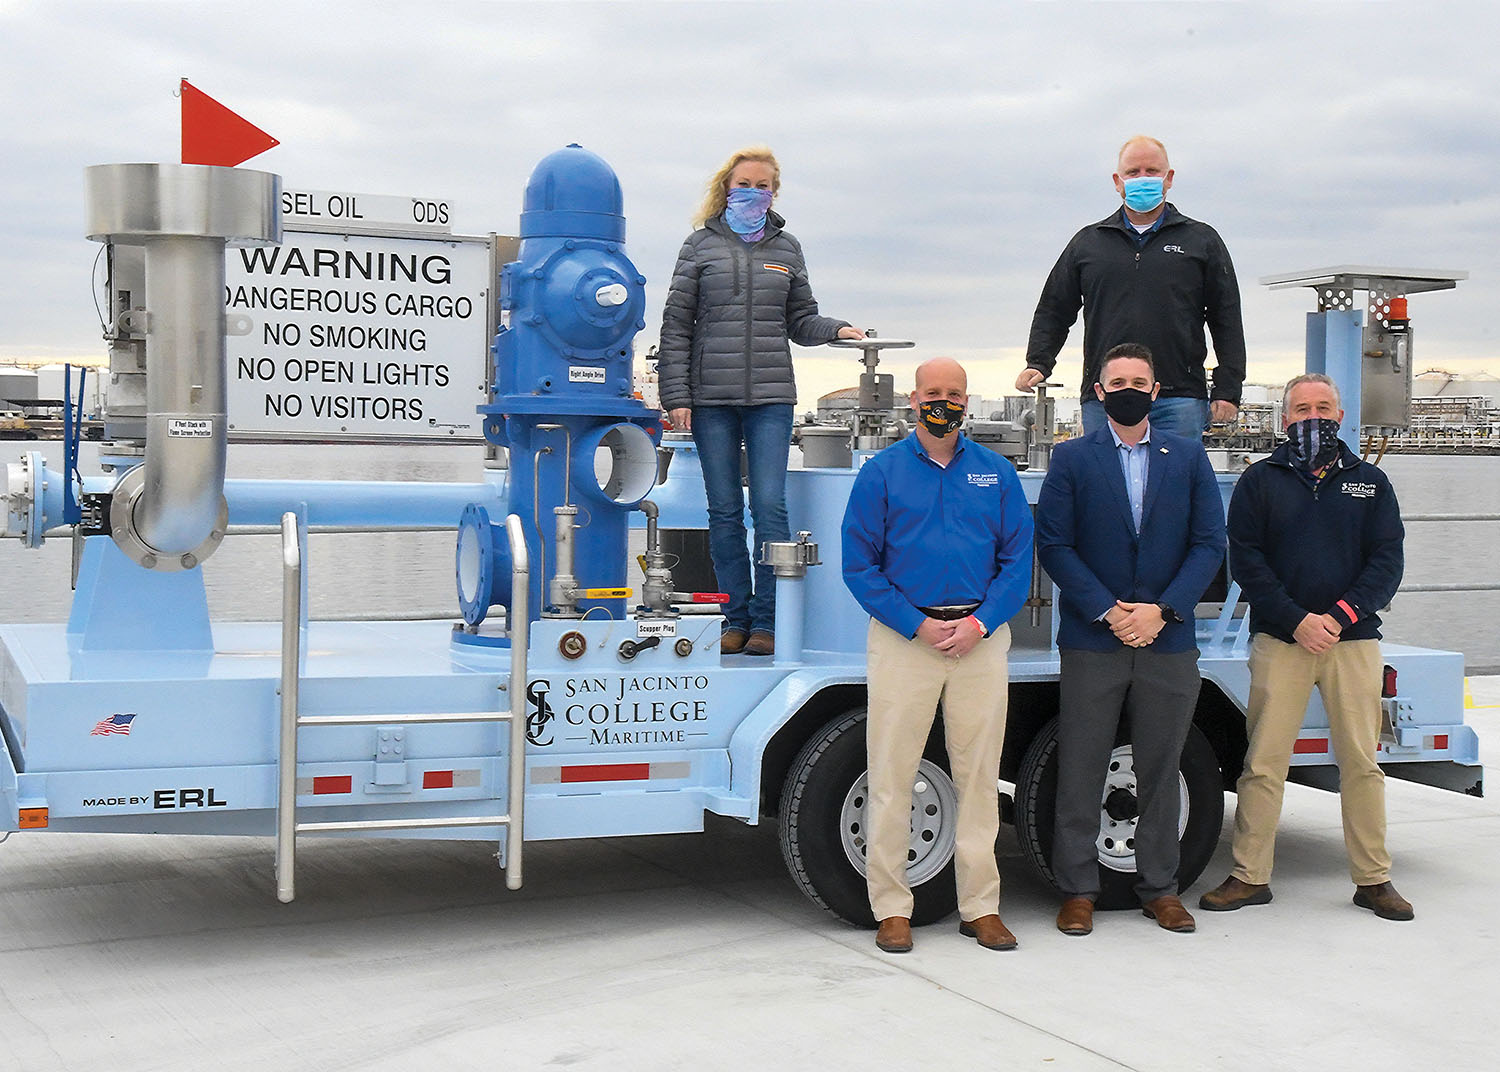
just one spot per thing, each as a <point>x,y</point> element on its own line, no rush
<point>1116,842</point>
<point>934,823</point>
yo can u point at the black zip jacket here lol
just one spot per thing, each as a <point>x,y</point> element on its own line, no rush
<point>1295,551</point>
<point>1160,294</point>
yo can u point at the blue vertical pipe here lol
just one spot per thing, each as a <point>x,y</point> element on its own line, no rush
<point>1335,347</point>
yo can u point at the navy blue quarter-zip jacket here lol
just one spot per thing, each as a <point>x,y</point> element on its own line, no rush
<point>1297,551</point>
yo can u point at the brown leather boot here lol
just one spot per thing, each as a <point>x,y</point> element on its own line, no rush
<point>1076,916</point>
<point>1384,901</point>
<point>732,642</point>
<point>894,935</point>
<point>1235,893</point>
<point>1169,914</point>
<point>988,931</point>
<point>760,643</point>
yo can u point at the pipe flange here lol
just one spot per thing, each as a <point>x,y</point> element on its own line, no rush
<point>127,494</point>
<point>23,508</point>
<point>790,558</point>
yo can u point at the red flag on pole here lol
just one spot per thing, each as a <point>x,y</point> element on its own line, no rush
<point>212,134</point>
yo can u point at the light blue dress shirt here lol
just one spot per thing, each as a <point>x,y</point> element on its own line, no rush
<point>1134,463</point>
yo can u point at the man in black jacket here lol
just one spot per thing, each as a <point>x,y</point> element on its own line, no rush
<point>1315,543</point>
<point>1146,274</point>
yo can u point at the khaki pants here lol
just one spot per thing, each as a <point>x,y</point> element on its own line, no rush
<point>906,679</point>
<point>1282,677</point>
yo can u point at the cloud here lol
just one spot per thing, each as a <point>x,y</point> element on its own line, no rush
<point>936,159</point>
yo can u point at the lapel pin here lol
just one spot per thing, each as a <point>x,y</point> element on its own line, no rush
<point>1164,450</point>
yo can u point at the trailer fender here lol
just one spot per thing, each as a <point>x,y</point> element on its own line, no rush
<point>797,693</point>
<point>9,804</point>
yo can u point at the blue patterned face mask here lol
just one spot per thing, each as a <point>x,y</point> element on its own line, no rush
<point>1145,193</point>
<point>745,211</point>
<point>1315,442</point>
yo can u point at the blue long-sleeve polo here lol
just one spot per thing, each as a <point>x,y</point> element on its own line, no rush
<point>918,534</point>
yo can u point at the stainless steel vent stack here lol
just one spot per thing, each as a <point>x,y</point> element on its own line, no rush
<point>169,512</point>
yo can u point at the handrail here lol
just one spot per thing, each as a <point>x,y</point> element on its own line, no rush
<point>287,826</point>
<point>1470,586</point>
<point>291,659</point>
<point>1450,517</point>
<point>518,622</point>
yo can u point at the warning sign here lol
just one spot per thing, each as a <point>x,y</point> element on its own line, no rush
<point>359,336</point>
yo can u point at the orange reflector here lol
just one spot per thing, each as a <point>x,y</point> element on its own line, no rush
<point>33,818</point>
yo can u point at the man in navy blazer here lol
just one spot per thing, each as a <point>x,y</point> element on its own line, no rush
<point>1130,526</point>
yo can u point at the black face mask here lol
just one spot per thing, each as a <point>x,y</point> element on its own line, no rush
<point>1127,407</point>
<point>941,417</point>
<point>1315,442</point>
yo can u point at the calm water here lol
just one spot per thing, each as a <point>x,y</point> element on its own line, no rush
<point>389,573</point>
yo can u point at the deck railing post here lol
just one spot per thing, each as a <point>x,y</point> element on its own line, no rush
<point>291,661</point>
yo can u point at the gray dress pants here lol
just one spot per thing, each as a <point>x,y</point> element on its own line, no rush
<point>1159,692</point>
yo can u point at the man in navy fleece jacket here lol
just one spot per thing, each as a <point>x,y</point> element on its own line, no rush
<point>1315,542</point>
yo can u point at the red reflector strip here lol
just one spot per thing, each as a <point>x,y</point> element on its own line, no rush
<point>1440,741</point>
<point>710,597</point>
<point>1309,746</point>
<point>608,772</point>
<point>437,779</point>
<point>340,783</point>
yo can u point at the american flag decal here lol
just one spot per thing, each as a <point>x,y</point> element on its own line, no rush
<point>112,724</point>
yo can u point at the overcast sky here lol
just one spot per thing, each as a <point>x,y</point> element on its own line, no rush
<point>936,157</point>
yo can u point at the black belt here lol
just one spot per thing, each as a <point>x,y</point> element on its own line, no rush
<point>949,614</point>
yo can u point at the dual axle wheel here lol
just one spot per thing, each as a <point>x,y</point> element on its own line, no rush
<point>822,820</point>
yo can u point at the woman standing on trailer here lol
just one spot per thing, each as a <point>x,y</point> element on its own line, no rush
<point>739,292</point>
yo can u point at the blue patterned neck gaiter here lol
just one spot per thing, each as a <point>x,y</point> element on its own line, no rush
<point>745,212</point>
<point>1315,442</point>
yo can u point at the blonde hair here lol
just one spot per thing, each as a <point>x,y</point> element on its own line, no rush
<point>716,195</point>
<point>1138,139</point>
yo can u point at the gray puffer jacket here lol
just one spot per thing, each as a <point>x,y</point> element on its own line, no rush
<point>732,307</point>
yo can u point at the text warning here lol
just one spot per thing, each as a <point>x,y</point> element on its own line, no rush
<point>359,336</point>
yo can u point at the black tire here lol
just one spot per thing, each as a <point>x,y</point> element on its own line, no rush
<point>1036,801</point>
<point>818,785</point>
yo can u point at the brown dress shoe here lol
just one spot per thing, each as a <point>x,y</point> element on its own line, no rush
<point>760,643</point>
<point>894,935</point>
<point>1076,916</point>
<point>988,931</point>
<point>1384,901</point>
<point>1169,914</point>
<point>732,642</point>
<point>1235,893</point>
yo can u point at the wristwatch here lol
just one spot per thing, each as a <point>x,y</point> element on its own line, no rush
<point>1167,613</point>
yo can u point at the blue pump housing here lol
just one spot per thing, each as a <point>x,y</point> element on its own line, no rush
<point>563,400</point>
<point>573,302</point>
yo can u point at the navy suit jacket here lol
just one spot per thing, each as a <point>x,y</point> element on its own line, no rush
<point>1086,539</point>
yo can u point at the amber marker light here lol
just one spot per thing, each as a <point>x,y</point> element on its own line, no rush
<point>33,818</point>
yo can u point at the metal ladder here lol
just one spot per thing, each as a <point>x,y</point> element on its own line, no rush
<point>287,826</point>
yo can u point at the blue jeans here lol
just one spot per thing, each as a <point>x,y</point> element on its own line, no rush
<point>766,432</point>
<point>1180,416</point>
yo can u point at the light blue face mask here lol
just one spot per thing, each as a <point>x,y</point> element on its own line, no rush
<point>1145,193</point>
<point>745,211</point>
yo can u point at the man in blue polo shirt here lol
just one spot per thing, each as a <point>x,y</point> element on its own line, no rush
<point>937,547</point>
